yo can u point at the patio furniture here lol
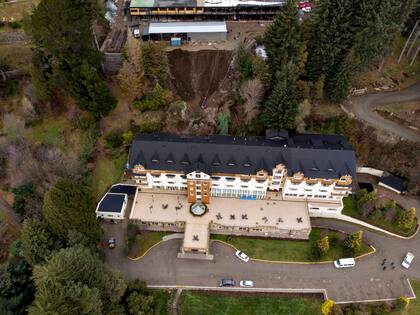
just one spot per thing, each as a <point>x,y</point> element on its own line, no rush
<point>299,220</point>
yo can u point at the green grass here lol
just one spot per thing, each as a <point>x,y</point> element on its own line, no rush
<point>107,171</point>
<point>197,304</point>
<point>350,209</point>
<point>290,250</point>
<point>162,298</point>
<point>414,306</point>
<point>16,10</point>
<point>146,240</point>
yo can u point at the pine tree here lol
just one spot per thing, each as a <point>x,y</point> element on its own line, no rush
<point>330,36</point>
<point>74,281</point>
<point>339,84</point>
<point>283,41</point>
<point>37,241</point>
<point>282,106</point>
<point>70,206</point>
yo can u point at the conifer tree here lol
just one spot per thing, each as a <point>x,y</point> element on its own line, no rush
<point>282,106</point>
<point>283,41</point>
<point>70,206</point>
<point>339,84</point>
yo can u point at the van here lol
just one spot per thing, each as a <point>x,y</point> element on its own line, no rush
<point>344,263</point>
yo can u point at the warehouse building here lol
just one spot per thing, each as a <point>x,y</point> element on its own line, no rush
<point>209,31</point>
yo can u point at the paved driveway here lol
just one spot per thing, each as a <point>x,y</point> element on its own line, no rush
<point>367,281</point>
<point>363,108</point>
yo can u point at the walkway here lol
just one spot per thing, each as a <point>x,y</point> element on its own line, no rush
<point>363,107</point>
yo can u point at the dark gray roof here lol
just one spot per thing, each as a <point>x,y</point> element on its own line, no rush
<point>393,181</point>
<point>317,156</point>
<point>111,203</point>
<point>123,189</point>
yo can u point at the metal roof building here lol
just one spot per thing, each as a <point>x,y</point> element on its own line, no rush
<point>191,30</point>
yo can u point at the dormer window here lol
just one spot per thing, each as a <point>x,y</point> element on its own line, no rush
<point>216,164</point>
<point>247,164</point>
<point>330,170</point>
<point>155,160</point>
<point>169,161</point>
<point>231,164</point>
<point>315,169</point>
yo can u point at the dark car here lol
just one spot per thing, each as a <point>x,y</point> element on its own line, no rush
<point>227,283</point>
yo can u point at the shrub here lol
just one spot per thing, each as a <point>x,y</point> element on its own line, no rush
<point>354,241</point>
<point>22,194</point>
<point>376,215</point>
<point>158,99</point>
<point>406,219</point>
<point>323,245</point>
<point>402,302</point>
<point>327,306</point>
<point>114,139</point>
<point>149,127</point>
<point>223,121</point>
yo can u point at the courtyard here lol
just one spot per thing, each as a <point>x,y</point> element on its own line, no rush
<point>264,217</point>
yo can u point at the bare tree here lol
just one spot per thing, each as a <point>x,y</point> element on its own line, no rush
<point>251,92</point>
<point>131,74</point>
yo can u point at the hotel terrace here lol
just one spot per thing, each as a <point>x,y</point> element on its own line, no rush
<point>257,186</point>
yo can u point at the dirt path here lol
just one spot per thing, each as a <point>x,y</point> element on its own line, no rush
<point>363,107</point>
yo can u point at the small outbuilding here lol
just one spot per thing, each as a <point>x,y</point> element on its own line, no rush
<point>112,206</point>
<point>392,182</point>
<point>209,31</point>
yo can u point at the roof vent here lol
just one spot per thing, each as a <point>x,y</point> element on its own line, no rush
<point>276,135</point>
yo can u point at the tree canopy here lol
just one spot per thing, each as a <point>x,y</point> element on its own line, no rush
<point>282,106</point>
<point>71,206</point>
<point>284,41</point>
<point>65,54</point>
<point>37,241</point>
<point>74,281</point>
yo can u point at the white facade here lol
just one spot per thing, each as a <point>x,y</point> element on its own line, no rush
<point>119,214</point>
<point>297,187</point>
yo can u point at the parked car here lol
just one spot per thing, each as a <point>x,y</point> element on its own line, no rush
<point>344,263</point>
<point>408,259</point>
<point>246,283</point>
<point>111,243</point>
<point>227,283</point>
<point>242,256</point>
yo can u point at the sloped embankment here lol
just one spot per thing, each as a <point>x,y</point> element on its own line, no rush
<point>195,75</point>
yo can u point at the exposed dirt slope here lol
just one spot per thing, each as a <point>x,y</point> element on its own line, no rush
<point>195,75</point>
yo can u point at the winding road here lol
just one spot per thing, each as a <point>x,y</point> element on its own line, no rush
<point>363,107</point>
<point>365,282</point>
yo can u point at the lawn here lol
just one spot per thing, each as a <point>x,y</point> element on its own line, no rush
<point>144,241</point>
<point>162,299</point>
<point>414,306</point>
<point>107,171</point>
<point>290,250</point>
<point>350,209</point>
<point>198,304</point>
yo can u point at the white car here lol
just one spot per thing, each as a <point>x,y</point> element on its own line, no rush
<point>242,256</point>
<point>408,259</point>
<point>136,33</point>
<point>246,283</point>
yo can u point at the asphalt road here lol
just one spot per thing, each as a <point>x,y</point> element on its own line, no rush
<point>366,281</point>
<point>363,107</point>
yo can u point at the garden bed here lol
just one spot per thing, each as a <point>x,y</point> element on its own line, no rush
<point>350,209</point>
<point>292,250</point>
